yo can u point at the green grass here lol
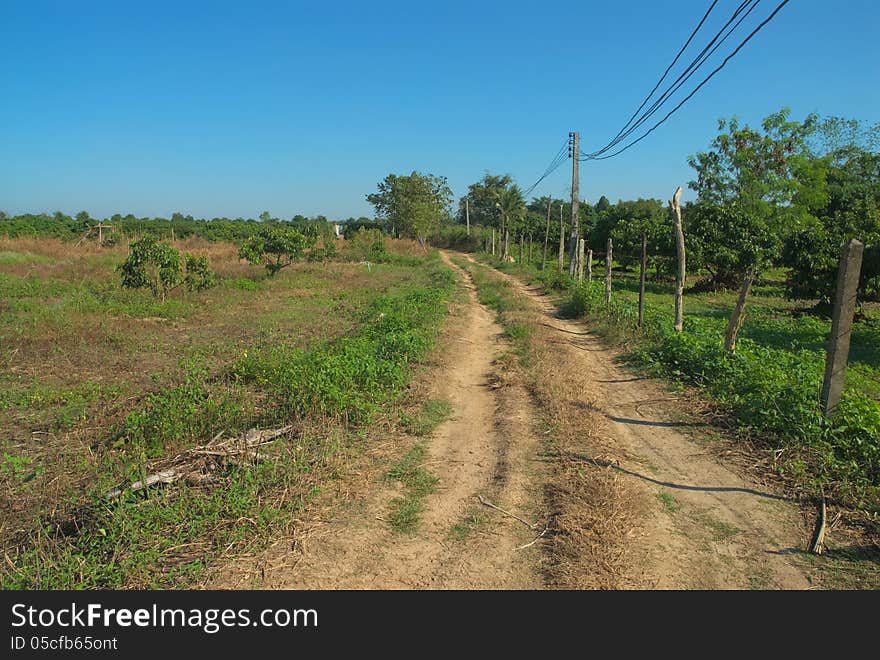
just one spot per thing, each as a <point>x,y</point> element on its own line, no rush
<point>771,386</point>
<point>719,530</point>
<point>405,511</point>
<point>337,377</point>
<point>432,413</point>
<point>465,528</point>
<point>669,502</point>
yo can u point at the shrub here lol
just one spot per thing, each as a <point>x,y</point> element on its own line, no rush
<point>277,247</point>
<point>158,266</point>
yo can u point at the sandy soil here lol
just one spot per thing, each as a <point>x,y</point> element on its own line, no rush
<point>702,525</point>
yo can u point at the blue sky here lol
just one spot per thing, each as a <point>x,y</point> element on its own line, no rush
<point>232,108</point>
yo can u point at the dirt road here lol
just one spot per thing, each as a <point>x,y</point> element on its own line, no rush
<point>702,524</point>
<point>486,448</point>
<point>687,520</point>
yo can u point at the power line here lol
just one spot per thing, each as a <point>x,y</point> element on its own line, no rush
<point>707,51</point>
<point>668,69</point>
<point>558,159</point>
<point>697,88</point>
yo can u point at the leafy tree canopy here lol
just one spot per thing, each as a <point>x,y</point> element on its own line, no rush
<point>414,204</point>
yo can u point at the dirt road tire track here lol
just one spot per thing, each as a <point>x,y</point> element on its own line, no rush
<point>486,448</point>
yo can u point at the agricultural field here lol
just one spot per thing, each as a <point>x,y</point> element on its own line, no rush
<point>101,386</point>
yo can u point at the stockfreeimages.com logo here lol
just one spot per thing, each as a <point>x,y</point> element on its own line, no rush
<point>209,621</point>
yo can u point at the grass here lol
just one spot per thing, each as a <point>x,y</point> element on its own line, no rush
<point>432,413</point>
<point>773,328</point>
<point>771,386</point>
<point>720,530</point>
<point>118,381</point>
<point>669,502</point>
<point>417,482</point>
<point>467,526</point>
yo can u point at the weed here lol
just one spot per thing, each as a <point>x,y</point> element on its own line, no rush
<point>669,502</point>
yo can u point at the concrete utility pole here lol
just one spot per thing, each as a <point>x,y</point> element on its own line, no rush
<point>841,323</point>
<point>467,215</point>
<point>574,150</point>
<point>561,240</point>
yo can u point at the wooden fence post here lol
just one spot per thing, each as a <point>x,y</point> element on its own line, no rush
<point>841,323</point>
<point>589,265</point>
<point>580,260</point>
<point>608,258</point>
<point>643,266</point>
<point>675,205</point>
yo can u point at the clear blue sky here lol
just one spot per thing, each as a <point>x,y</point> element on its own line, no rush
<point>232,108</point>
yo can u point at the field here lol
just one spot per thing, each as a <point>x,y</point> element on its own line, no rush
<point>101,386</point>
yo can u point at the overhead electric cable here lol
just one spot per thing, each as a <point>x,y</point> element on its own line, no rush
<point>698,87</point>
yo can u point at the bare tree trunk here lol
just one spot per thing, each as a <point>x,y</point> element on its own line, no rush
<point>608,259</point>
<point>643,266</point>
<point>680,274</point>
<point>739,312</point>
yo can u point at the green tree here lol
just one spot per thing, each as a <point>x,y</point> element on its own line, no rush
<point>414,204</point>
<point>628,219</point>
<point>746,183</point>
<point>277,247</point>
<point>159,267</point>
<point>512,207</point>
<point>482,198</point>
<point>847,207</point>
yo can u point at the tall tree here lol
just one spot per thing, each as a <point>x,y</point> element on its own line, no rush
<point>482,199</point>
<point>415,204</point>
<point>746,183</point>
<point>512,207</point>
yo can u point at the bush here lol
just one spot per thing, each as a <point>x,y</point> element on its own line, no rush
<point>277,247</point>
<point>158,266</point>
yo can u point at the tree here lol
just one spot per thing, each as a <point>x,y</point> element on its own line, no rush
<point>415,204</point>
<point>511,206</point>
<point>158,266</point>
<point>277,247</point>
<point>746,183</point>
<point>482,199</point>
<point>848,206</point>
<point>626,221</point>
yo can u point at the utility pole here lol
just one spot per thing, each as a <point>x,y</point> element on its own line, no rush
<point>574,150</point>
<point>561,240</point>
<point>467,215</point>
<point>546,236</point>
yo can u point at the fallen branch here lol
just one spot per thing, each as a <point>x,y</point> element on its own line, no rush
<point>818,545</point>
<point>483,500</point>
<point>163,477</point>
<point>537,538</point>
<point>232,449</point>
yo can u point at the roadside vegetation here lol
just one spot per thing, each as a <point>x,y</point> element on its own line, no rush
<point>774,203</point>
